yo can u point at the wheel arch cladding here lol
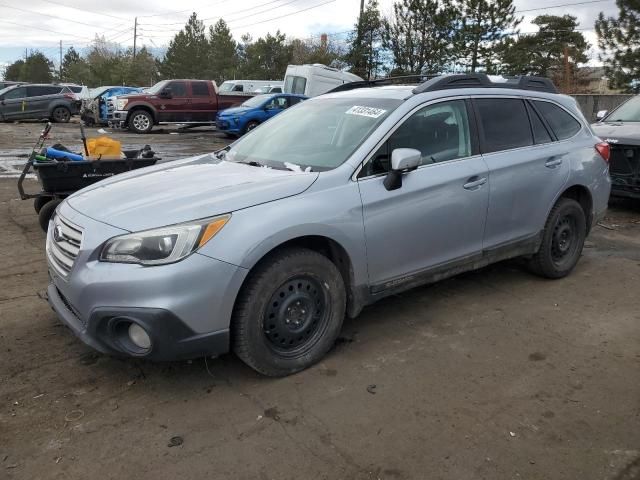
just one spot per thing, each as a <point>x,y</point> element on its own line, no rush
<point>142,106</point>
<point>331,249</point>
<point>582,195</point>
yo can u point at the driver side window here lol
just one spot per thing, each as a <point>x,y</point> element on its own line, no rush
<point>439,131</point>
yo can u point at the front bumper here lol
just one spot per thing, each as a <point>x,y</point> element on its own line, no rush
<point>184,307</point>
<point>117,119</point>
<point>228,125</point>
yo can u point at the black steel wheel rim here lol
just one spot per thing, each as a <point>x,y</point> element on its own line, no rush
<point>564,240</point>
<point>296,316</point>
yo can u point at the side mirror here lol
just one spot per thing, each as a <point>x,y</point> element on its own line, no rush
<point>165,93</point>
<point>601,114</point>
<point>402,161</point>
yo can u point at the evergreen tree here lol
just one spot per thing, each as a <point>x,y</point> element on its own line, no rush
<point>223,53</point>
<point>543,53</point>
<point>75,68</point>
<point>420,35</point>
<point>365,51</point>
<point>36,68</point>
<point>13,71</point>
<point>619,39</point>
<point>316,51</point>
<point>105,63</point>
<point>483,24</point>
<point>267,58</point>
<point>143,70</point>
<point>187,54</point>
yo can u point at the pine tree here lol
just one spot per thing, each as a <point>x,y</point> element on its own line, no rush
<point>619,39</point>
<point>484,23</point>
<point>266,58</point>
<point>13,71</point>
<point>187,54</point>
<point>420,35</point>
<point>37,68</point>
<point>223,53</point>
<point>75,68</point>
<point>365,51</point>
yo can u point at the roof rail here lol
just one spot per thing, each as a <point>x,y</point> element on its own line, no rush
<point>482,80</point>
<point>398,80</point>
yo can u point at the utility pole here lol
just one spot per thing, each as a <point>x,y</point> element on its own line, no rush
<point>361,7</point>
<point>60,69</point>
<point>567,71</point>
<point>135,36</point>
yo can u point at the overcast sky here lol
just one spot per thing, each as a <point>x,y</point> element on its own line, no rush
<point>41,24</point>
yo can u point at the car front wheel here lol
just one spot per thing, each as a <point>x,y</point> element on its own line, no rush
<point>140,121</point>
<point>562,240</point>
<point>289,312</point>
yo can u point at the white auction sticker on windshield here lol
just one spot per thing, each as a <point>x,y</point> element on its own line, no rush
<point>366,111</point>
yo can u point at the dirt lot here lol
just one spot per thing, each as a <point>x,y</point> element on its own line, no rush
<point>495,374</point>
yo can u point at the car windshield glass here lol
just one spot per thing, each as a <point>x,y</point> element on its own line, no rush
<point>4,90</point>
<point>96,92</point>
<point>256,101</point>
<point>627,112</point>
<point>320,133</point>
<point>157,88</point>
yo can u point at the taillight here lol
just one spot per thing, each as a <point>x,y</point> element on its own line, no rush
<point>604,149</point>
<point>70,96</point>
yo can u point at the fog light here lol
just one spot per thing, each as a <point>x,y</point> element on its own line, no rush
<point>139,337</point>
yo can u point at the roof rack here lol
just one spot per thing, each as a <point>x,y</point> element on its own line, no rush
<point>380,82</point>
<point>482,80</point>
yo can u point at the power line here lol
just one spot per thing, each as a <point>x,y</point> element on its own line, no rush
<point>563,5</point>
<point>83,10</point>
<point>285,15</point>
<point>51,16</point>
<point>178,11</point>
<point>22,25</point>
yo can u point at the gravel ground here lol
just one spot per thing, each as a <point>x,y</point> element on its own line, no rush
<point>494,374</point>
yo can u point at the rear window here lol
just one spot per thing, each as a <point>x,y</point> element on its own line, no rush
<point>562,124</point>
<point>200,89</point>
<point>505,124</point>
<point>75,89</point>
<point>294,84</point>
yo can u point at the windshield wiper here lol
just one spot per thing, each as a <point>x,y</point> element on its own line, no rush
<point>253,163</point>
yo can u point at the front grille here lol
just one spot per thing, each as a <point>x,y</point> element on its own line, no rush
<point>64,240</point>
<point>624,166</point>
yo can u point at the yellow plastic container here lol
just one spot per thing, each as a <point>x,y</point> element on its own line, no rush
<point>104,147</point>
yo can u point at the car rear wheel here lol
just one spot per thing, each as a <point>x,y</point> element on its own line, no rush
<point>562,240</point>
<point>289,312</point>
<point>140,121</point>
<point>61,115</point>
<point>46,212</point>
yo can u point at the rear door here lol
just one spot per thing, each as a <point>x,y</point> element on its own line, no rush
<point>527,168</point>
<point>178,107</point>
<point>14,103</point>
<point>202,102</point>
<point>437,216</point>
<point>39,99</point>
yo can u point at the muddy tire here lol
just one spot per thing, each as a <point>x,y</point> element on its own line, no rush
<point>140,121</point>
<point>61,115</point>
<point>46,212</point>
<point>40,202</point>
<point>289,312</point>
<point>562,240</point>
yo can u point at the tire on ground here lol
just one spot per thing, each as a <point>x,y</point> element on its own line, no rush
<point>61,115</point>
<point>40,202</point>
<point>562,240</point>
<point>46,212</point>
<point>287,282</point>
<point>140,121</point>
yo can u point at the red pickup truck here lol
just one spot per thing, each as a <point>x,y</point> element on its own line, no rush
<point>191,102</point>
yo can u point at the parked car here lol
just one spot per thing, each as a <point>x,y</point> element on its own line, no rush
<point>80,92</point>
<point>37,101</point>
<point>8,83</point>
<point>268,89</point>
<point>94,110</point>
<point>349,197</point>
<point>194,102</point>
<point>246,86</point>
<point>621,129</point>
<point>253,112</point>
<point>316,79</point>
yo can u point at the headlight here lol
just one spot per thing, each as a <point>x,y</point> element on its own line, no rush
<point>121,103</point>
<point>162,245</point>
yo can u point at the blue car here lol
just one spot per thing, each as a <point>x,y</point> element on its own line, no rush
<point>239,120</point>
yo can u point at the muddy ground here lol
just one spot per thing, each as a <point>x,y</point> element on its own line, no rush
<point>495,374</point>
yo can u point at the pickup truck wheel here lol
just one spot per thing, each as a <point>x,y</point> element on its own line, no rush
<point>289,312</point>
<point>250,126</point>
<point>562,240</point>
<point>46,212</point>
<point>140,121</point>
<point>61,115</point>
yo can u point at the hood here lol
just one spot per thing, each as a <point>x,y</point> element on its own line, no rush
<point>234,111</point>
<point>627,133</point>
<point>185,190</point>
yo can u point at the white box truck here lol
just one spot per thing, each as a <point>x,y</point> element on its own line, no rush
<point>316,79</point>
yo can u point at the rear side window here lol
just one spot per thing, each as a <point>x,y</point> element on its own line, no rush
<point>294,100</point>
<point>200,89</point>
<point>505,124</point>
<point>38,91</point>
<point>75,89</point>
<point>562,124</point>
<point>540,133</point>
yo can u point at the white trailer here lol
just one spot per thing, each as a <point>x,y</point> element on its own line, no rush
<point>246,86</point>
<point>316,79</point>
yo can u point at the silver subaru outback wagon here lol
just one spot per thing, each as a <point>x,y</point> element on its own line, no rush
<point>265,246</point>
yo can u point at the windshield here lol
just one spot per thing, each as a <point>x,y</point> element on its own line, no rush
<point>256,101</point>
<point>226,87</point>
<point>627,112</point>
<point>320,133</point>
<point>157,88</point>
<point>5,90</point>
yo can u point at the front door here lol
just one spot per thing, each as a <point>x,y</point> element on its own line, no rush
<point>177,107</point>
<point>437,216</point>
<point>14,103</point>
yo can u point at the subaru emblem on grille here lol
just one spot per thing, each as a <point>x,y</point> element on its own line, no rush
<point>57,233</point>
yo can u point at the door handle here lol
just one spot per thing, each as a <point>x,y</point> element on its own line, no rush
<point>553,162</point>
<point>474,183</point>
